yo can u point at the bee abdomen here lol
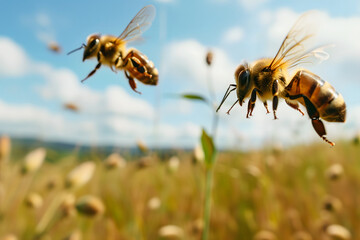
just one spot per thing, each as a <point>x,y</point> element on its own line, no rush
<point>142,68</point>
<point>328,102</point>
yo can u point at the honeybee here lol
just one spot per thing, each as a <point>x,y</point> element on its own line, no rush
<point>111,51</point>
<point>268,79</point>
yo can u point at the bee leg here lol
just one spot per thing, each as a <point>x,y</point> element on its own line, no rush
<point>266,107</point>
<point>251,103</point>
<point>132,82</point>
<point>318,125</point>
<point>275,92</point>
<point>295,106</point>
<point>92,72</point>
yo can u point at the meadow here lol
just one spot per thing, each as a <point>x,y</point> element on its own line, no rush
<point>300,193</point>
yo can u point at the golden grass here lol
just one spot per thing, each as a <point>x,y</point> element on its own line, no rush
<point>297,193</point>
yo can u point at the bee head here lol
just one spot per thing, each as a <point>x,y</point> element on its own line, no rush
<point>92,46</point>
<point>243,83</point>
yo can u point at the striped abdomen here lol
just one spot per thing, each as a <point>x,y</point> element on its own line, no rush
<point>142,68</point>
<point>326,100</point>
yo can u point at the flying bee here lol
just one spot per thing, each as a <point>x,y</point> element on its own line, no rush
<point>269,79</point>
<point>111,51</point>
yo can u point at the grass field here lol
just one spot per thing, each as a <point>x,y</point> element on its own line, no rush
<point>300,193</point>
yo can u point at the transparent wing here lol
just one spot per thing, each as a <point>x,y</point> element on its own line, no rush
<point>294,49</point>
<point>139,24</point>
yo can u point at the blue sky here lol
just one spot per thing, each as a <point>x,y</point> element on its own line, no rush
<point>36,82</point>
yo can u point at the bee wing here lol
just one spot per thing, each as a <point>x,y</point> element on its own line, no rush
<point>294,48</point>
<point>139,24</point>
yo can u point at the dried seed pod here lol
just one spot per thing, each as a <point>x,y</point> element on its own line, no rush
<point>71,106</point>
<point>209,57</point>
<point>332,204</point>
<point>335,172</point>
<point>142,146</point>
<point>90,206</point>
<point>337,232</point>
<point>171,232</point>
<point>114,160</point>
<point>34,200</point>
<point>54,46</point>
<point>198,154</point>
<point>33,160</point>
<point>80,175</point>
<point>173,164</point>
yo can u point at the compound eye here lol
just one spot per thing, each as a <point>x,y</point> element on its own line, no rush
<point>93,43</point>
<point>244,78</point>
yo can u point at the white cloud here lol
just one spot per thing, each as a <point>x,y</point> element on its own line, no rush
<point>43,20</point>
<point>44,30</point>
<point>233,35</point>
<point>186,61</point>
<point>13,60</point>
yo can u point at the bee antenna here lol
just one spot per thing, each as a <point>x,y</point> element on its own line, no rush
<point>82,46</point>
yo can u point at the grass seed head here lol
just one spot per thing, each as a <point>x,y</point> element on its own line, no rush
<point>67,206</point>
<point>154,203</point>
<point>33,160</point>
<point>90,206</point>
<point>171,232</point>
<point>173,164</point>
<point>80,175</point>
<point>34,200</point>
<point>332,204</point>
<point>54,46</point>
<point>114,160</point>
<point>335,172</point>
<point>5,148</point>
<point>209,57</point>
<point>142,146</point>
<point>337,232</point>
<point>198,154</point>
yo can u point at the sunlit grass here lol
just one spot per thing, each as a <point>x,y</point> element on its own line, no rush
<point>284,193</point>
